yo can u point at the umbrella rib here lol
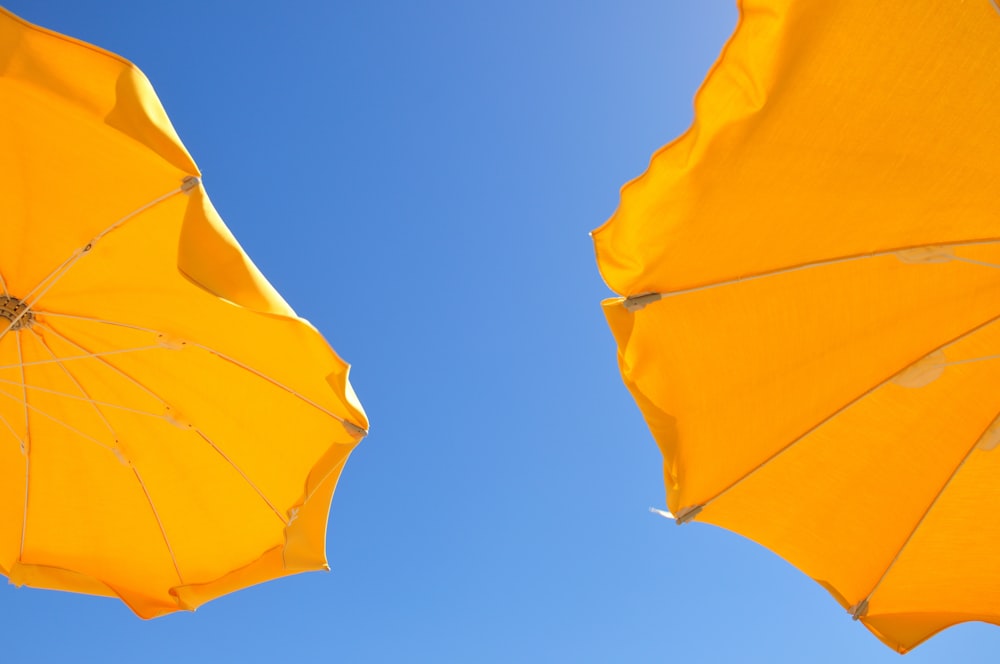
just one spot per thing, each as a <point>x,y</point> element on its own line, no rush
<point>10,428</point>
<point>121,372</point>
<point>642,299</point>
<point>971,360</point>
<point>87,356</point>
<point>692,511</point>
<point>185,187</point>
<point>53,277</point>
<point>67,395</point>
<point>3,285</point>
<point>218,354</point>
<point>276,383</point>
<point>859,609</point>
<point>39,411</point>
<point>973,261</point>
<point>100,413</point>
<point>27,448</point>
<point>193,428</point>
<point>91,319</point>
<point>246,479</point>
<point>85,395</point>
<point>27,475</point>
<point>163,531</point>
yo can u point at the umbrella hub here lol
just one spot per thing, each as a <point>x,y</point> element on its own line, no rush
<point>16,312</point>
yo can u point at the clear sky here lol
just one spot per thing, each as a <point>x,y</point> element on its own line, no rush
<point>418,180</point>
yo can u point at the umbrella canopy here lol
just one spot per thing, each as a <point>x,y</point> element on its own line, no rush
<point>810,320</point>
<point>170,431</point>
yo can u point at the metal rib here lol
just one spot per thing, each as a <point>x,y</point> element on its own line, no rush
<point>53,277</point>
<point>923,517</point>
<point>67,395</point>
<point>92,319</point>
<point>13,432</point>
<point>274,382</point>
<point>53,418</point>
<point>86,396</point>
<point>844,407</point>
<point>211,351</point>
<point>163,531</point>
<point>27,447</point>
<point>194,429</point>
<point>820,263</point>
<point>88,356</point>
<point>97,408</point>
<point>121,372</point>
<point>260,493</point>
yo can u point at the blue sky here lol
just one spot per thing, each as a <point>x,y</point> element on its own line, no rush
<point>418,180</point>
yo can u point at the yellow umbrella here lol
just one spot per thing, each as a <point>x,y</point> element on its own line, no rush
<point>811,312</point>
<point>170,431</point>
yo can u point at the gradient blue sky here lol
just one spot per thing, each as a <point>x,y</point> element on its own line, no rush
<point>418,180</point>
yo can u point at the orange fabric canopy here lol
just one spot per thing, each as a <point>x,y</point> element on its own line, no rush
<point>811,293</point>
<point>169,429</point>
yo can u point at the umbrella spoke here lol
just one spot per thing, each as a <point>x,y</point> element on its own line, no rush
<point>100,413</point>
<point>27,446</point>
<point>246,479</point>
<point>102,404</point>
<point>92,319</point>
<point>973,261</point>
<point>187,185</point>
<point>693,510</point>
<point>858,610</point>
<point>24,511</point>
<point>159,523</point>
<point>73,378</point>
<point>43,286</point>
<point>100,358</point>
<point>349,425</point>
<point>36,410</point>
<point>101,235</point>
<point>13,432</point>
<point>971,360</point>
<point>640,300</point>
<point>87,356</point>
<point>168,416</point>
<point>53,277</point>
